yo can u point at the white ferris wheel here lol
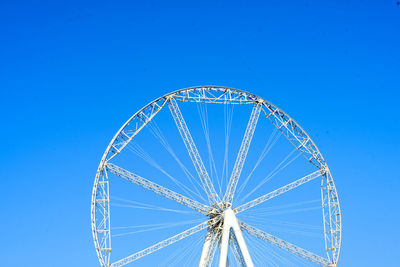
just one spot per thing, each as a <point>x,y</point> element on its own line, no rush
<point>214,176</point>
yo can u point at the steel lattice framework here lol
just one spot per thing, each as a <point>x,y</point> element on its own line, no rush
<point>244,148</point>
<point>224,230</point>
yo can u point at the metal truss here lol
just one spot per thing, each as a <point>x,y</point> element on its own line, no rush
<point>331,217</point>
<point>303,143</point>
<point>163,244</point>
<point>158,189</point>
<point>285,245</point>
<point>295,134</point>
<point>100,212</point>
<point>278,191</point>
<point>236,250</point>
<point>241,157</point>
<point>210,242</point>
<point>193,152</point>
<point>224,230</point>
<point>214,94</point>
<point>133,126</point>
<point>213,247</point>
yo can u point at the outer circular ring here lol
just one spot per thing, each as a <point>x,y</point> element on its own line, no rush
<point>216,94</point>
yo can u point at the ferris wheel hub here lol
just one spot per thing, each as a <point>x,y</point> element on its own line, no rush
<point>218,209</point>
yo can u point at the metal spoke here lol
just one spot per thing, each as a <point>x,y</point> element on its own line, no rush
<point>158,189</point>
<point>163,244</point>
<point>236,250</point>
<point>193,152</point>
<point>241,157</point>
<point>208,248</point>
<point>223,228</point>
<point>285,245</point>
<point>213,248</point>
<point>279,191</point>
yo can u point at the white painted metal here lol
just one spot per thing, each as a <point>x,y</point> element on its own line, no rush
<point>158,189</point>
<point>278,191</point>
<point>223,226</point>
<point>193,152</point>
<point>285,245</point>
<point>213,248</point>
<point>236,250</point>
<point>162,244</point>
<point>230,223</point>
<point>244,149</point>
<point>204,258</point>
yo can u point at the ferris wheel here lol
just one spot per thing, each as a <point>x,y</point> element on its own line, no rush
<point>214,176</point>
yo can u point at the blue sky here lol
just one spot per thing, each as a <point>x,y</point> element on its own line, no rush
<point>72,73</point>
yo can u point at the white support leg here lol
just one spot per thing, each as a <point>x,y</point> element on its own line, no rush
<point>242,244</point>
<point>204,259</point>
<point>230,221</point>
<point>223,254</point>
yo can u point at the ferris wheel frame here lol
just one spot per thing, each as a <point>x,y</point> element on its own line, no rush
<point>100,203</point>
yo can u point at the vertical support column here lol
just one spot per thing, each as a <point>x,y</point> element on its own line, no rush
<point>230,221</point>
<point>223,254</point>
<point>204,259</point>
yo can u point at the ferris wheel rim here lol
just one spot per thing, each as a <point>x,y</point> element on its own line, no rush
<point>253,98</point>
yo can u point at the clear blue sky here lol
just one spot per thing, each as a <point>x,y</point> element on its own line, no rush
<point>72,72</point>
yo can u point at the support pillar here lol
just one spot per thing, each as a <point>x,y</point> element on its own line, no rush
<point>230,221</point>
